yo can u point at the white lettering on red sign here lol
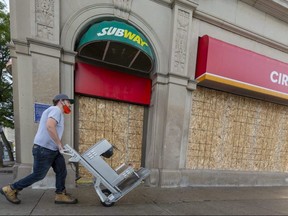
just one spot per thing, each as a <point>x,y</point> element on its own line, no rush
<point>279,78</point>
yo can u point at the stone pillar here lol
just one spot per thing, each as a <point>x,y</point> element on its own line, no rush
<point>45,52</point>
<point>36,73</point>
<point>67,86</point>
<point>179,97</point>
<point>155,128</point>
<point>171,101</point>
<point>23,109</point>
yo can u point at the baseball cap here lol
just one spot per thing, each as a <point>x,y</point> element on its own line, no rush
<point>63,97</point>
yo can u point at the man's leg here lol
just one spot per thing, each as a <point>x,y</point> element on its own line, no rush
<point>43,158</point>
<point>59,167</point>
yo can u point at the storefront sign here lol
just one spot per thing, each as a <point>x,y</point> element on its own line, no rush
<point>111,32</point>
<point>116,31</point>
<point>117,43</point>
<point>227,67</point>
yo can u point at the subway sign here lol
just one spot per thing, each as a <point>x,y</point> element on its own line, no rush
<point>118,32</point>
<point>116,43</point>
<point>226,67</point>
<point>123,33</point>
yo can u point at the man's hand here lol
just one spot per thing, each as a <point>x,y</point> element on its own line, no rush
<point>60,147</point>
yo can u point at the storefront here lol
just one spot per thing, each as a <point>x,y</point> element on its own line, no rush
<point>196,91</point>
<point>239,114</point>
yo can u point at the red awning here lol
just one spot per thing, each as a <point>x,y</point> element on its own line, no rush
<point>230,68</point>
<point>111,84</point>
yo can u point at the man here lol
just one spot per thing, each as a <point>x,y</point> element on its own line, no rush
<point>46,153</point>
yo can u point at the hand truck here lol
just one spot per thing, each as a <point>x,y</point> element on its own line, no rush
<point>110,185</point>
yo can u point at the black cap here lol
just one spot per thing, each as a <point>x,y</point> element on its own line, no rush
<point>63,97</point>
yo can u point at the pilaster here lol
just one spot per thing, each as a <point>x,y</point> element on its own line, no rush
<point>179,87</point>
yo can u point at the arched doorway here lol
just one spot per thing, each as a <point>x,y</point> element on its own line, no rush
<point>112,91</point>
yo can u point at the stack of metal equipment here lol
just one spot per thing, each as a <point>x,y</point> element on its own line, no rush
<point>110,185</point>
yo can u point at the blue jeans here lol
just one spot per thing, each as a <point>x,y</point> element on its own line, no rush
<point>44,159</point>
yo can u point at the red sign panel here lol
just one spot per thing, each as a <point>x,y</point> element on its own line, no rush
<point>106,83</point>
<point>228,67</point>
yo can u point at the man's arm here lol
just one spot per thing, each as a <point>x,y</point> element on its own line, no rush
<point>51,127</point>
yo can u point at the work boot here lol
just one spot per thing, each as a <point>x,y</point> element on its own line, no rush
<point>10,194</point>
<point>65,198</point>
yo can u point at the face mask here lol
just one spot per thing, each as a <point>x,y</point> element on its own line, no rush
<point>66,109</point>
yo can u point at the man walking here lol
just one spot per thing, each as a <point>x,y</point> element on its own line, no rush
<point>46,153</point>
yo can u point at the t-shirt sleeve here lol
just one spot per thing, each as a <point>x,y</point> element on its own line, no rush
<point>55,114</point>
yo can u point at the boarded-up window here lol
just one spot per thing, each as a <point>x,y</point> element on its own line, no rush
<point>120,123</point>
<point>231,132</point>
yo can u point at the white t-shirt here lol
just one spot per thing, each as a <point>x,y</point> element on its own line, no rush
<point>42,137</point>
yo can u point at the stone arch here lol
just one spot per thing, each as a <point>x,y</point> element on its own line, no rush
<point>82,18</point>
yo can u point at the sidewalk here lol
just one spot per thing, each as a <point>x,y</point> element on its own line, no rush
<point>6,173</point>
<point>157,201</point>
<point>151,201</point>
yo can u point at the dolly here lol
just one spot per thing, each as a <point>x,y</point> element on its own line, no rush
<point>109,184</point>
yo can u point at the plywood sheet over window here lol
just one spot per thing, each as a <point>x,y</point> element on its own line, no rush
<point>231,132</point>
<point>120,123</point>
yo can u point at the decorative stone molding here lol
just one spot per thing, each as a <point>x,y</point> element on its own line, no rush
<point>20,47</point>
<point>68,57</point>
<point>122,8</point>
<point>239,30</point>
<point>276,8</point>
<point>44,18</point>
<point>44,48</point>
<point>174,79</point>
<point>192,84</point>
<point>79,20</point>
<point>180,42</point>
<point>188,4</point>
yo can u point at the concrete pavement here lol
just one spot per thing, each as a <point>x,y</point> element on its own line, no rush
<point>157,201</point>
<point>153,201</point>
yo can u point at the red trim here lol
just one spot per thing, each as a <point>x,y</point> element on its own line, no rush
<point>202,56</point>
<point>106,83</point>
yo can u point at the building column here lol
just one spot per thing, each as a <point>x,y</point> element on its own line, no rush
<point>169,116</point>
<point>67,67</point>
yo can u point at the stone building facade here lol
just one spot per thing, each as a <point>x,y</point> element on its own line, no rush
<point>188,127</point>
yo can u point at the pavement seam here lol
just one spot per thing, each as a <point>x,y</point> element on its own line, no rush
<point>37,202</point>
